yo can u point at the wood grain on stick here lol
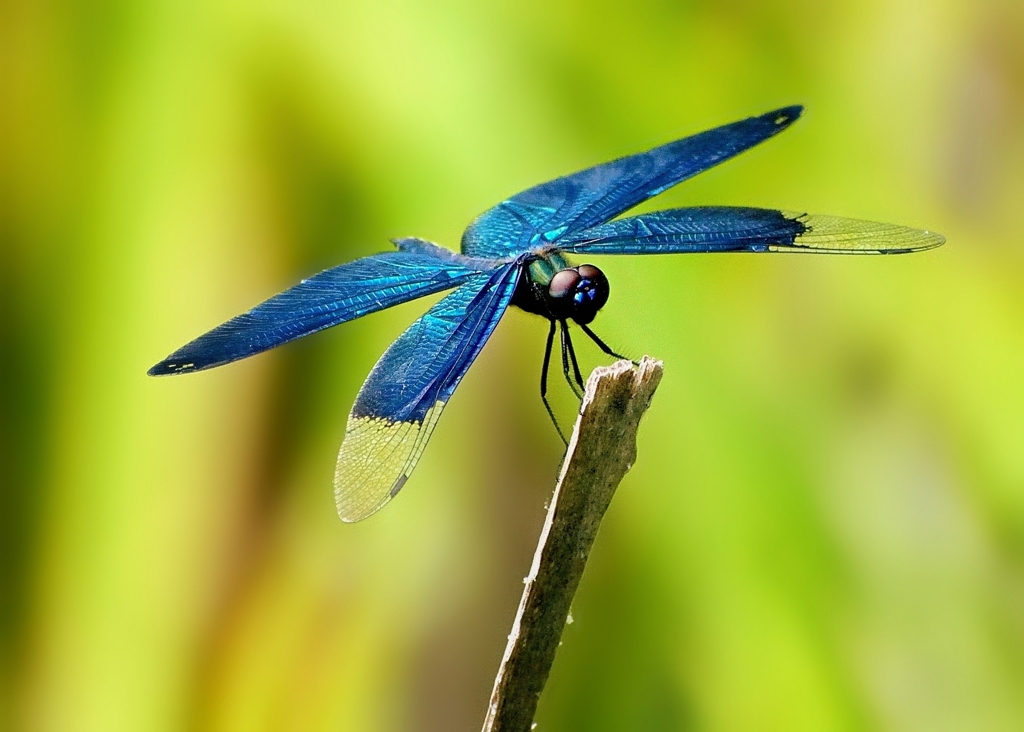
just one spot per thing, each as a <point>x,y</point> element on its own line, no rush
<point>601,452</point>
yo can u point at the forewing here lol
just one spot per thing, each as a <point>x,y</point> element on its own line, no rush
<point>402,398</point>
<point>726,229</point>
<point>333,296</point>
<point>551,211</point>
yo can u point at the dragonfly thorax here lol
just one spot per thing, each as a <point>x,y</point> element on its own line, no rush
<point>551,288</point>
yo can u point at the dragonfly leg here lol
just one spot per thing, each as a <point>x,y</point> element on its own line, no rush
<point>567,345</point>
<point>604,346</point>
<point>565,363</point>
<point>544,382</point>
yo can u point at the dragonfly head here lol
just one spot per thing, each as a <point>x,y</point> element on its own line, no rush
<point>578,293</point>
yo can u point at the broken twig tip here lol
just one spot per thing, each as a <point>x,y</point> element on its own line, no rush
<point>601,451</point>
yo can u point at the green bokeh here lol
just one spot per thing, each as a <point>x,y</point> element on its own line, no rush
<point>825,526</point>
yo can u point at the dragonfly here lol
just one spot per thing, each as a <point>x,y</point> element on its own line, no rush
<point>517,254</point>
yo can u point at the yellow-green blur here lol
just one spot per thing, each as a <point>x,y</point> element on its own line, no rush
<point>824,529</point>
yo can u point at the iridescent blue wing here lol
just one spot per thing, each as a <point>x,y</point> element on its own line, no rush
<point>551,211</point>
<point>725,229</point>
<point>402,398</point>
<point>334,296</point>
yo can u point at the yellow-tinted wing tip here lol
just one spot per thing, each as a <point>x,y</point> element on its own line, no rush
<point>851,236</point>
<point>375,460</point>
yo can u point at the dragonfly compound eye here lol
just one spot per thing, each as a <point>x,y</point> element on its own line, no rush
<point>563,284</point>
<point>578,293</point>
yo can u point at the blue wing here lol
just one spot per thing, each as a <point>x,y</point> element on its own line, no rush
<point>333,296</point>
<point>725,229</point>
<point>402,398</point>
<point>546,213</point>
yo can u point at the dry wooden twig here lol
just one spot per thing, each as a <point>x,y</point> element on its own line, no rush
<point>601,451</point>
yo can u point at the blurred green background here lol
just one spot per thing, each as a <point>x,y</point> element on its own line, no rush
<point>825,526</point>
